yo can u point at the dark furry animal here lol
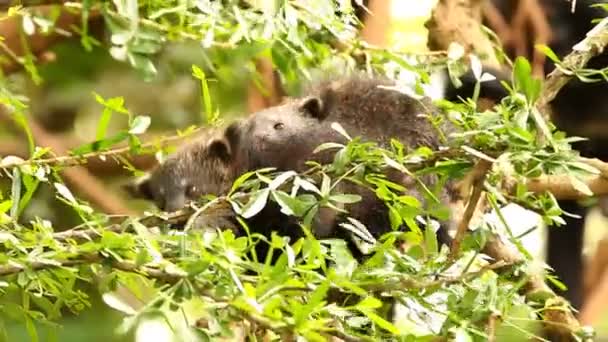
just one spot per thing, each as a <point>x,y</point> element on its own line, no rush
<point>579,109</point>
<point>285,137</point>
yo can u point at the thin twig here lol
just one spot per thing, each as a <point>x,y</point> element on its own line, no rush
<point>478,177</point>
<point>491,329</point>
<point>94,258</point>
<point>73,160</point>
<point>406,282</point>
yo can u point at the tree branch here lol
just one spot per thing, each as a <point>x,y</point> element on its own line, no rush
<point>594,43</point>
<point>478,177</point>
<point>75,160</point>
<point>459,21</point>
<point>559,322</point>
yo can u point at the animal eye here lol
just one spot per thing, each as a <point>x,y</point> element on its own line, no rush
<point>279,126</point>
<point>191,191</point>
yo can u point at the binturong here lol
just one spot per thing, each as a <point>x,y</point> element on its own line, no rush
<point>285,137</point>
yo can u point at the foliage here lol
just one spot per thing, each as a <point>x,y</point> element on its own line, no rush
<point>213,278</point>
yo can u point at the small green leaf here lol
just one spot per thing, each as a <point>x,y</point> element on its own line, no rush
<point>143,64</point>
<point>140,124</point>
<point>289,205</point>
<point>580,186</point>
<point>524,81</point>
<point>15,193</point>
<point>381,322</point>
<point>461,335</point>
<point>327,146</point>
<point>239,181</point>
<point>200,75</point>
<point>430,239</point>
<point>585,167</point>
<point>325,185</point>
<point>104,121</point>
<point>369,303</point>
<point>31,328</point>
<point>306,185</point>
<point>255,204</point>
<point>409,201</point>
<point>115,302</point>
<point>345,198</point>
<point>100,145</point>
<point>548,52</point>
<point>338,128</point>
<point>5,206</point>
<point>315,299</point>
<point>282,178</point>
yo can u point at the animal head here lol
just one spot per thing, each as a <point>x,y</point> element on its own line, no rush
<point>203,166</point>
<point>284,136</point>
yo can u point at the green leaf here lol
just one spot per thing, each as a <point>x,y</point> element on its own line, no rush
<point>143,64</point>
<point>381,322</point>
<point>16,193</point>
<point>345,198</point>
<point>358,229</point>
<point>585,167</point>
<point>548,52</point>
<point>206,98</point>
<point>239,181</point>
<point>410,201</point>
<point>139,125</point>
<point>316,299</point>
<point>65,193</point>
<point>21,121</point>
<point>369,303</point>
<point>100,145</point>
<point>338,128</point>
<point>5,206</point>
<point>282,178</point>
<point>524,81</point>
<point>255,204</point>
<point>461,335</point>
<point>325,185</point>
<point>392,163</point>
<point>430,239</point>
<point>580,186</point>
<point>306,185</point>
<point>31,185</point>
<point>522,134</point>
<point>31,328</point>
<point>327,146</point>
<point>104,122</point>
<point>290,205</point>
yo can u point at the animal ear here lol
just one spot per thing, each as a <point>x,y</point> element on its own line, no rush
<point>314,107</point>
<point>220,148</point>
<point>139,188</point>
<point>233,135</point>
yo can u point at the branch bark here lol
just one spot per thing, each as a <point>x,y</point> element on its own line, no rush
<point>459,21</point>
<point>594,43</point>
<point>478,177</point>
